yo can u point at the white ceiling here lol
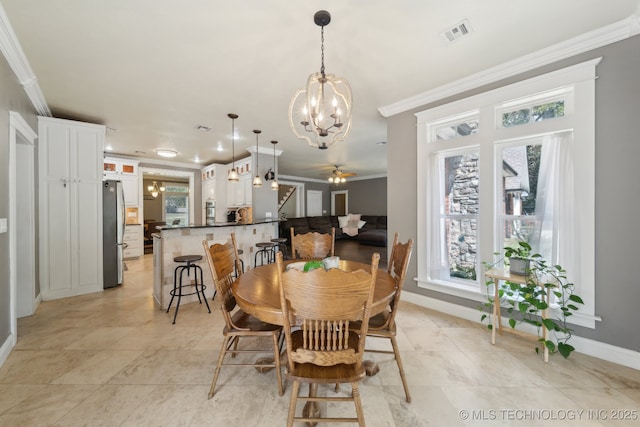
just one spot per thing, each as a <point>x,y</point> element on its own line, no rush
<point>153,70</point>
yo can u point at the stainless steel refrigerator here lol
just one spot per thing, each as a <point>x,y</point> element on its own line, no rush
<point>113,220</point>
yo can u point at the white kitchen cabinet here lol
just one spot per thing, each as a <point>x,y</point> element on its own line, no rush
<point>214,189</point>
<point>70,156</point>
<point>240,193</point>
<point>126,171</point>
<point>134,241</point>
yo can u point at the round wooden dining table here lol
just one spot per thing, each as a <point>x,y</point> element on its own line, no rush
<point>257,290</point>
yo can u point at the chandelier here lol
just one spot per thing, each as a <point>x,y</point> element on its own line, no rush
<point>155,190</point>
<point>320,113</point>
<point>233,173</point>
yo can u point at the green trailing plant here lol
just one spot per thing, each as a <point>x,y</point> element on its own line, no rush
<point>524,303</point>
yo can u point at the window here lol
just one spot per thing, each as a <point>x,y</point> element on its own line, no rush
<point>176,203</point>
<point>479,191</point>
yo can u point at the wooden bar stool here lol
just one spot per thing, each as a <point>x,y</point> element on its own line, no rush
<point>186,262</point>
<point>265,248</point>
<point>280,245</point>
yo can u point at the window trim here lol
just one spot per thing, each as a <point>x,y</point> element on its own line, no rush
<point>582,78</point>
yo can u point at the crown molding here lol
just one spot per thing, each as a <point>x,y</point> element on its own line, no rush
<point>606,35</point>
<point>13,53</point>
<point>147,162</point>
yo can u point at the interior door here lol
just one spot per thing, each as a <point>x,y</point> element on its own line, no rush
<point>314,203</point>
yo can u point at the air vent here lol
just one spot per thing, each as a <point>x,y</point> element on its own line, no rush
<point>456,32</point>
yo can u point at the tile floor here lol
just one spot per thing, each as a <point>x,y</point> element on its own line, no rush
<point>114,359</point>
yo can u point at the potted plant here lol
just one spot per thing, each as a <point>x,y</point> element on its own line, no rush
<point>519,257</point>
<point>525,302</point>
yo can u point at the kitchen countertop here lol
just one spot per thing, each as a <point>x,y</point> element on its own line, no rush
<point>219,224</point>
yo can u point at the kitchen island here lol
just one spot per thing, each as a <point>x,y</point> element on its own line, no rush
<point>171,241</point>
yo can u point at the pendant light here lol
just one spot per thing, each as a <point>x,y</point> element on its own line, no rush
<point>257,181</point>
<point>233,173</point>
<point>274,184</point>
<point>320,113</point>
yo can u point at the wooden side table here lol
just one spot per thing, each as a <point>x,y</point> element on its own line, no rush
<point>496,275</point>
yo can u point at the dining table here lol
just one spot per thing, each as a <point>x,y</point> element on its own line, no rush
<point>257,291</point>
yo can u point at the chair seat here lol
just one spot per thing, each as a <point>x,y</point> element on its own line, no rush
<point>376,322</point>
<point>340,373</point>
<point>309,373</point>
<point>246,321</point>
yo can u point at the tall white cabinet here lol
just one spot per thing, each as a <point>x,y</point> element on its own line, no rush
<point>70,156</point>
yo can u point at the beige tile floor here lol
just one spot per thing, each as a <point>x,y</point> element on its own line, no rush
<point>115,359</point>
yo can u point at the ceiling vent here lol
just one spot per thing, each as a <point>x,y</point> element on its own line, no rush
<point>456,32</point>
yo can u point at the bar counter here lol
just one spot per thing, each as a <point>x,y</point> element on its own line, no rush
<point>172,241</point>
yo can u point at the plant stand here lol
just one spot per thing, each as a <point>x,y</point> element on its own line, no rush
<point>495,275</point>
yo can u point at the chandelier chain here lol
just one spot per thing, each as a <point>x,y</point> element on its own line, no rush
<point>322,50</point>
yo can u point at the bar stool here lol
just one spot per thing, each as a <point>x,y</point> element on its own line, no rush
<point>266,248</point>
<point>280,245</point>
<point>187,263</point>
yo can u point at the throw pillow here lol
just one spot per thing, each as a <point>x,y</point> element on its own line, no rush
<point>343,220</point>
<point>361,223</point>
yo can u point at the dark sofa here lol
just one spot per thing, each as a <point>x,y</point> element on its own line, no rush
<point>374,231</point>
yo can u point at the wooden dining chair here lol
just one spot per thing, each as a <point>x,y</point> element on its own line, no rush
<point>312,245</point>
<point>383,325</point>
<point>224,263</point>
<point>318,307</point>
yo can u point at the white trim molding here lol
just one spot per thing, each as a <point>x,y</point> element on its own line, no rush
<point>17,60</point>
<point>608,352</point>
<point>606,35</point>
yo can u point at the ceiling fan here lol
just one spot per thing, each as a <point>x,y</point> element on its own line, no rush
<point>338,177</point>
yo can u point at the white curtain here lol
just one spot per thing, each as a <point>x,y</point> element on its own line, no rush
<point>558,237</point>
<point>438,264</point>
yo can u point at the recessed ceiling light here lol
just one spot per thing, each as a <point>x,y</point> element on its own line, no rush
<point>197,159</point>
<point>166,153</point>
<point>108,148</point>
<point>381,142</point>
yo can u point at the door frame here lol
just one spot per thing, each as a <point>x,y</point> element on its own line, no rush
<point>20,133</point>
<point>300,205</point>
<point>168,173</point>
<point>333,201</point>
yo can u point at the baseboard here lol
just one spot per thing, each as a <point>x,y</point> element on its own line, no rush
<point>604,351</point>
<point>6,348</point>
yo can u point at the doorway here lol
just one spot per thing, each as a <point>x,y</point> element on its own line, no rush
<point>22,254</point>
<point>339,202</point>
<point>294,207</point>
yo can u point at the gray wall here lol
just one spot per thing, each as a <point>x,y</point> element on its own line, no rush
<point>617,193</point>
<point>12,98</point>
<point>366,196</point>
